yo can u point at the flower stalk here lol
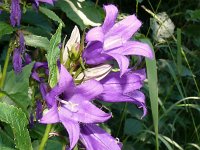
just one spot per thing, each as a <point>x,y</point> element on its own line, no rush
<point>10,49</point>
<point>45,137</point>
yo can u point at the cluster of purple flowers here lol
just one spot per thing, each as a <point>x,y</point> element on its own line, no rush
<point>73,104</point>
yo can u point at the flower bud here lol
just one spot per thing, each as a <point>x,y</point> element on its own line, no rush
<point>96,73</point>
<point>72,44</point>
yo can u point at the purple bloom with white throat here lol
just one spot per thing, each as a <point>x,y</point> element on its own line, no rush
<point>72,105</point>
<point>112,41</point>
<point>95,138</point>
<point>125,88</point>
<point>15,14</point>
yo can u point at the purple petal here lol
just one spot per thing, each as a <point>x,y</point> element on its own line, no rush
<point>17,61</point>
<point>86,91</point>
<point>51,116</point>
<point>36,66</point>
<point>125,28</point>
<point>85,113</point>
<point>65,81</point>
<point>93,54</point>
<point>135,97</point>
<point>124,89</point>
<point>112,42</point>
<point>139,99</point>
<point>15,14</point>
<point>43,89</point>
<point>141,73</point>
<point>38,110</point>
<point>111,15</point>
<point>28,59</point>
<point>137,48</point>
<point>72,128</point>
<point>122,61</point>
<point>95,34</point>
<point>113,83</point>
<point>21,42</point>
<point>95,138</point>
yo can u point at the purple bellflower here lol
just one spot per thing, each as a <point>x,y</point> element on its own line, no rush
<point>72,105</point>
<point>125,88</point>
<point>17,61</point>
<point>112,41</point>
<point>36,66</point>
<point>17,54</point>
<point>15,14</point>
<point>95,138</point>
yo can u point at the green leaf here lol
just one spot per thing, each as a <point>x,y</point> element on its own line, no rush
<point>153,89</point>
<point>16,118</point>
<point>16,87</point>
<point>193,15</point>
<point>53,55</point>
<point>84,13</point>
<point>37,41</point>
<point>5,148</point>
<point>38,20</point>
<point>51,15</point>
<point>5,29</point>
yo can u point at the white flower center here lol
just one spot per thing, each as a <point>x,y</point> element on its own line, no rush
<point>69,105</point>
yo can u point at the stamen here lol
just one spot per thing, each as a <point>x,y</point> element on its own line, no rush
<point>69,105</point>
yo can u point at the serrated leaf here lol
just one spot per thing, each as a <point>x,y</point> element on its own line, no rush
<point>84,13</point>
<point>49,13</point>
<point>16,87</point>
<point>37,41</point>
<point>16,118</point>
<point>5,29</point>
<point>53,55</point>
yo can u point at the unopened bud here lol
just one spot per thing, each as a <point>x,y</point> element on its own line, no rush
<point>96,73</point>
<point>72,43</point>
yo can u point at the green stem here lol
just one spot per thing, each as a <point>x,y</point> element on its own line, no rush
<point>45,137</point>
<point>6,64</point>
<point>96,3</point>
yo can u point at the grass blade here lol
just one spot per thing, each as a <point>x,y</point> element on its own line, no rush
<point>153,90</point>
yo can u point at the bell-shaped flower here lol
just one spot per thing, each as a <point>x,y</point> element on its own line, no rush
<point>95,138</point>
<point>72,105</point>
<point>72,44</point>
<point>18,52</point>
<point>15,14</point>
<point>36,66</point>
<point>17,61</point>
<point>125,88</point>
<point>112,41</point>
